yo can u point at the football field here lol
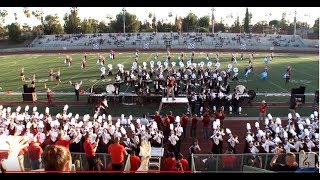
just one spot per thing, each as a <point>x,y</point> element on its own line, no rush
<point>305,71</point>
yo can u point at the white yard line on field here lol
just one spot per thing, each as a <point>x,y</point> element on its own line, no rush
<point>305,73</point>
<point>273,84</point>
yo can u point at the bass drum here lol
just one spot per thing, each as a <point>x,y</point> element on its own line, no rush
<point>252,94</point>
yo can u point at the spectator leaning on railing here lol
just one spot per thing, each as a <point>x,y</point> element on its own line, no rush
<point>290,162</point>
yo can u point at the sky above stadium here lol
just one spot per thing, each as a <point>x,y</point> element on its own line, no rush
<point>229,14</point>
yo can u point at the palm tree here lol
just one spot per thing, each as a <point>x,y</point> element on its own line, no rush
<point>3,14</point>
<point>15,16</point>
<point>26,12</point>
<point>39,15</point>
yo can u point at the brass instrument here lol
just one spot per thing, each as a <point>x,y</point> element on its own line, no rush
<point>256,144</point>
<point>291,140</point>
<point>270,138</point>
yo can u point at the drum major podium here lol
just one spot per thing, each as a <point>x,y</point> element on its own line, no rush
<point>178,100</point>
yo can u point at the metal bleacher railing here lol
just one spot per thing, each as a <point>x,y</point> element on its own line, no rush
<point>214,163</point>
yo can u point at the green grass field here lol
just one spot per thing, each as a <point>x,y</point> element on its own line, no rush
<point>305,72</point>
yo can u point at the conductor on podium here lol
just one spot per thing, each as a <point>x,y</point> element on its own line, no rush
<point>170,86</point>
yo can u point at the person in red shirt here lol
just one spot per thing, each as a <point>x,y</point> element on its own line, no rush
<point>220,115</point>
<point>117,153</point>
<point>228,161</point>
<point>184,162</point>
<point>169,162</point>
<point>134,161</point>
<point>158,120</point>
<point>166,128</point>
<point>171,117</point>
<point>206,122</point>
<point>35,152</point>
<point>90,150</point>
<point>64,142</point>
<point>194,122</point>
<point>263,111</point>
<point>178,167</point>
<point>184,123</point>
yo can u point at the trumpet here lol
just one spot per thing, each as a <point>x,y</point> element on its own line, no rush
<point>291,140</point>
<point>270,138</point>
<point>256,143</point>
<point>302,141</point>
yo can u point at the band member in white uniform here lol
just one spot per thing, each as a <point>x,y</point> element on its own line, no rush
<point>76,88</point>
<point>22,74</point>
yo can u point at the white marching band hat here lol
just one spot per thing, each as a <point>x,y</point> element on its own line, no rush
<point>235,69</point>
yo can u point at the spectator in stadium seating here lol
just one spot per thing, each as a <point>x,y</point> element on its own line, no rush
<point>263,111</point>
<point>134,161</point>
<point>178,167</point>
<point>184,123</point>
<point>35,152</point>
<point>255,162</point>
<point>194,122</point>
<point>169,162</point>
<point>228,161</point>
<point>77,165</point>
<point>117,153</point>
<point>290,162</point>
<point>90,150</point>
<point>100,166</point>
<point>183,162</point>
<point>56,158</point>
<point>206,122</point>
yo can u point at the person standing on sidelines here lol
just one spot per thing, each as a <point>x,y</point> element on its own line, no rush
<point>117,153</point>
<point>90,150</point>
<point>76,88</point>
<point>49,94</point>
<point>263,111</point>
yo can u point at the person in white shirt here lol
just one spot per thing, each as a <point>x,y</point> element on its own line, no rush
<point>76,88</point>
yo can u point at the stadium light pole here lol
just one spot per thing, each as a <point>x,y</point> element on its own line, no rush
<point>212,19</point>
<point>295,24</point>
<point>124,20</point>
